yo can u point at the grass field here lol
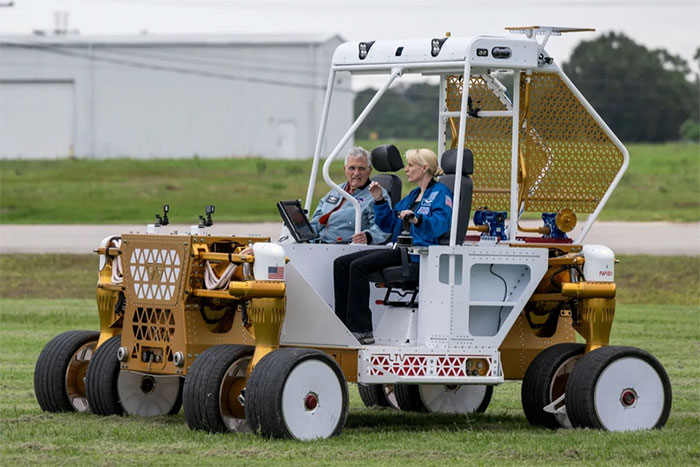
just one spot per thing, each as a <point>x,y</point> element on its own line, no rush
<point>662,183</point>
<point>660,313</point>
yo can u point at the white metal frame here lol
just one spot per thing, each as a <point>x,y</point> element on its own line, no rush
<point>456,305</point>
<point>460,59</point>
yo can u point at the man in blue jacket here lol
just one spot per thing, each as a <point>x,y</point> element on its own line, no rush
<point>334,218</point>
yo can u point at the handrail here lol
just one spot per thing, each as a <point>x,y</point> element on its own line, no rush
<point>395,72</point>
<point>319,141</point>
<point>514,162</point>
<point>460,155</point>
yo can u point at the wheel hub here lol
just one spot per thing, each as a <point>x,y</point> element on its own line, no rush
<point>628,398</point>
<point>311,401</point>
<point>147,385</point>
<point>76,375</point>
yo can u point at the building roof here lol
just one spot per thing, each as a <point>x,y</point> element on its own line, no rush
<point>172,39</point>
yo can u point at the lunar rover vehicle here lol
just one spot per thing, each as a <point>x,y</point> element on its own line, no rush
<point>241,331</point>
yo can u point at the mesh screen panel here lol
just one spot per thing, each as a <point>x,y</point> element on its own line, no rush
<point>570,162</point>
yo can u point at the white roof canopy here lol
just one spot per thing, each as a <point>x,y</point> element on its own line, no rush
<point>420,55</point>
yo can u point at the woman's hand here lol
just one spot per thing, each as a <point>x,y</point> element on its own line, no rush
<point>410,214</point>
<point>375,189</point>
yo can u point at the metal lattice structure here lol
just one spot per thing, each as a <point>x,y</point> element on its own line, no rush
<point>569,159</point>
<point>153,327</point>
<point>490,141</point>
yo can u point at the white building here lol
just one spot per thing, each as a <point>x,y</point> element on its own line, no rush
<point>166,96</point>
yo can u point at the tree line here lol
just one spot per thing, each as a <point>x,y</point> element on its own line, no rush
<point>643,95</point>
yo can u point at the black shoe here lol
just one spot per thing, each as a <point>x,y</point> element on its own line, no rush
<point>365,338</point>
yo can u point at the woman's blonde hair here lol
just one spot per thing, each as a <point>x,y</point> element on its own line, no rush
<point>425,157</point>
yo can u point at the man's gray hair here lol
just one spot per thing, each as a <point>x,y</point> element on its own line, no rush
<point>357,152</point>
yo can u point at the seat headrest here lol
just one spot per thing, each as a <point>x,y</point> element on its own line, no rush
<point>449,162</point>
<point>387,158</point>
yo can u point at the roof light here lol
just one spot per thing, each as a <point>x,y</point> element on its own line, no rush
<point>501,52</point>
<point>436,46</point>
<point>364,49</point>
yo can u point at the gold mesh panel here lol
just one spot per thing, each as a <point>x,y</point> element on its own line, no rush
<point>490,141</point>
<point>570,161</point>
<point>153,326</point>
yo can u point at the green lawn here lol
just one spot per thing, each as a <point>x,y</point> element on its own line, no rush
<point>658,309</point>
<point>662,183</point>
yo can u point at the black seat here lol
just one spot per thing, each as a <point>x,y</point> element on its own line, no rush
<point>405,277</point>
<point>449,166</point>
<point>387,158</point>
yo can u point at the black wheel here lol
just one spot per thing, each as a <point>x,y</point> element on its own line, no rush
<point>408,398</point>
<point>545,382</point>
<point>374,395</point>
<point>297,393</point>
<point>212,388</point>
<point>59,374</point>
<point>146,395</point>
<point>618,389</point>
<point>455,398</point>
<point>102,375</point>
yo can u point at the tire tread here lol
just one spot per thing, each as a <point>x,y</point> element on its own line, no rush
<point>372,395</point>
<point>266,385</point>
<point>534,392</point>
<point>101,382</point>
<point>201,388</point>
<point>408,398</point>
<point>51,367</point>
<point>580,390</point>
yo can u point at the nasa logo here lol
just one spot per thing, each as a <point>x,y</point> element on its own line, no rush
<point>605,273</point>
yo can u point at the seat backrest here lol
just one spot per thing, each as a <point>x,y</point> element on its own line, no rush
<point>387,158</point>
<point>392,184</point>
<point>449,166</point>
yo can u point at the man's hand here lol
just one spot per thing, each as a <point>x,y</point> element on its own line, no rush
<point>375,190</point>
<point>246,251</point>
<point>359,239</point>
<point>411,216</point>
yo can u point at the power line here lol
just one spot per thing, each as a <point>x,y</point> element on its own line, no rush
<point>190,60</point>
<point>203,73</point>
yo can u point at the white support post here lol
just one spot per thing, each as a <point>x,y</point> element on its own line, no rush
<point>442,121</point>
<point>513,218</point>
<point>460,160</point>
<point>395,72</point>
<point>319,141</point>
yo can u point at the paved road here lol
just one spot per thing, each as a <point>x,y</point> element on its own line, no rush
<point>652,238</point>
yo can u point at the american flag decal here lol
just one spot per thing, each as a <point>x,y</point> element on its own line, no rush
<point>448,200</point>
<point>275,273</point>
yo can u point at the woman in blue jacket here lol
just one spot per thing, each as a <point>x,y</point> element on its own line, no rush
<point>429,210</point>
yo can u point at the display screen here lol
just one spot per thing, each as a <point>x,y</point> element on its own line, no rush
<point>296,221</point>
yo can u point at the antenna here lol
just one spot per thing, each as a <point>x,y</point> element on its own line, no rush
<point>163,220</point>
<point>532,31</point>
<point>206,221</point>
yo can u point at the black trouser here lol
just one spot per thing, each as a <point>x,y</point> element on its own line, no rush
<point>351,284</point>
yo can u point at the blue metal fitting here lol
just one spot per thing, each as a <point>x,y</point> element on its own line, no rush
<point>495,220</point>
<point>549,219</point>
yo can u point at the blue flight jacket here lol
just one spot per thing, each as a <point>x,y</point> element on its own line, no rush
<point>341,224</point>
<point>434,214</point>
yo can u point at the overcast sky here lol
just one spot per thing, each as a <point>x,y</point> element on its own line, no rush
<point>670,24</point>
